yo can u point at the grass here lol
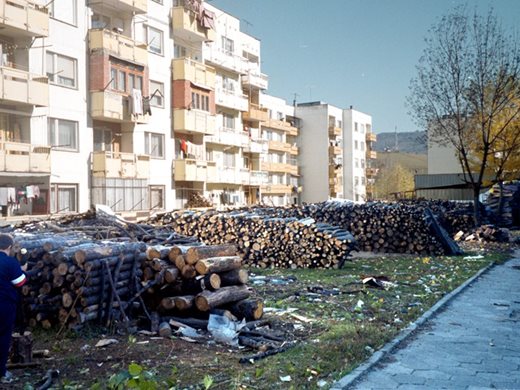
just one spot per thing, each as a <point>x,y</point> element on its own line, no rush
<point>333,333</point>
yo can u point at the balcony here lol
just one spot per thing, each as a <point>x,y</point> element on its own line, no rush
<point>255,146</point>
<point>127,6</point>
<point>22,17</point>
<point>228,137</point>
<point>18,86</point>
<point>335,172</point>
<point>279,146</point>
<point>371,154</point>
<point>260,81</point>
<point>294,150</point>
<point>118,45</point>
<point>231,99</point>
<point>190,170</point>
<point>225,175</point>
<point>335,150</point>
<point>226,59</point>
<point>23,157</point>
<point>193,122</point>
<point>255,114</point>
<point>281,125</point>
<point>257,178</point>
<point>371,172</point>
<point>120,165</point>
<point>284,189</point>
<point>113,107</point>
<point>187,27</point>
<point>334,131</point>
<point>371,137</point>
<point>194,71</point>
<point>279,167</point>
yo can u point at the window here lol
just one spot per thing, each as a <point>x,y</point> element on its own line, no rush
<point>356,146</point>
<point>125,78</point>
<point>64,198</point>
<point>156,197</point>
<point>228,45</point>
<point>275,157</point>
<point>135,82</point>
<point>227,84</point>
<point>356,180</point>
<point>154,39</point>
<point>363,163</point>
<point>63,10</point>
<point>363,180</point>
<point>61,70</point>
<point>362,145</point>
<point>157,1</point>
<point>63,134</point>
<point>103,140</point>
<point>229,160</point>
<point>340,124</point>
<point>356,162</point>
<point>157,91</point>
<point>228,121</point>
<point>179,51</point>
<point>363,128</point>
<point>154,144</point>
<point>355,126</point>
<point>200,101</point>
<point>100,21</point>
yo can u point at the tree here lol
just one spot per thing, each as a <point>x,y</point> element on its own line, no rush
<point>393,180</point>
<point>465,90</point>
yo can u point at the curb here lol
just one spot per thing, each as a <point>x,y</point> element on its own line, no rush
<point>359,371</point>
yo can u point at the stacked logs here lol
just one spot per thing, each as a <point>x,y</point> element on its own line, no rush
<point>82,280</point>
<point>265,241</point>
<point>191,281</point>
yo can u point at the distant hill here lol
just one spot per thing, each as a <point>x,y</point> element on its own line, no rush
<point>407,142</point>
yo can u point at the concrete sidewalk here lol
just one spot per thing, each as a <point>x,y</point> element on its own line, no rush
<point>472,342</point>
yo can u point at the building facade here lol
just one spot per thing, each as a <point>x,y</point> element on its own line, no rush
<point>139,105</point>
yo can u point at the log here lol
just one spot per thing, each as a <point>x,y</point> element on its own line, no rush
<point>250,309</point>
<point>208,300</point>
<point>218,264</point>
<point>234,277</point>
<point>195,254</point>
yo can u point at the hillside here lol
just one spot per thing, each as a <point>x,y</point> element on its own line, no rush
<point>407,142</point>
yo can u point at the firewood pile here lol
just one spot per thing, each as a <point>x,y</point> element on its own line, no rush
<point>74,277</point>
<point>197,200</point>
<point>264,240</point>
<point>484,233</point>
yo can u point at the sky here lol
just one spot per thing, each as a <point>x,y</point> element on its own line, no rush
<point>349,52</point>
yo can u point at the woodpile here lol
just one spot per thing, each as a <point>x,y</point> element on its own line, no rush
<point>74,278</point>
<point>264,240</point>
<point>484,233</point>
<point>197,200</point>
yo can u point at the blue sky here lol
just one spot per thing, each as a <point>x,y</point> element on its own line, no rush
<point>349,52</point>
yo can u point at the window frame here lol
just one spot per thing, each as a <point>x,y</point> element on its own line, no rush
<point>54,196</point>
<point>159,96</point>
<point>54,141</point>
<point>162,190</point>
<point>148,41</point>
<point>147,145</point>
<point>74,3</point>
<point>51,76</point>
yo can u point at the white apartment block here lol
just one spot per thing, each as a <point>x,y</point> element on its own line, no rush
<point>139,104</point>
<point>334,147</point>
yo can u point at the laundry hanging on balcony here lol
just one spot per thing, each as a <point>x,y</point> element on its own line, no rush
<point>137,102</point>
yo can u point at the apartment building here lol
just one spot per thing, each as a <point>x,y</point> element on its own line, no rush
<point>334,147</point>
<point>280,162</point>
<point>359,156</point>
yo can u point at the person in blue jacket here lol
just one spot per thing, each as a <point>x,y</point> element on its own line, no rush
<point>11,277</point>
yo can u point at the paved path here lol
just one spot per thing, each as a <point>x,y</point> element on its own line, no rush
<point>473,343</point>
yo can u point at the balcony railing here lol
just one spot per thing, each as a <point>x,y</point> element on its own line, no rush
<point>118,45</point>
<point>255,146</point>
<point>231,99</point>
<point>24,157</point>
<point>276,189</point>
<point>370,172</point>
<point>335,150</point>
<point>186,26</point>
<point>334,131</point>
<point>226,175</point>
<point>190,170</point>
<point>193,121</point>
<point>281,125</point>
<point>256,114</point>
<point>279,167</point>
<point>257,178</point>
<point>120,165</point>
<point>23,17</point>
<point>114,107</point>
<point>260,81</point>
<point>371,137</point>
<point>194,71</point>
<point>226,59</point>
<point>19,86</point>
<point>294,150</point>
<point>228,137</point>
<point>135,6</point>
<point>280,146</point>
<point>371,154</point>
